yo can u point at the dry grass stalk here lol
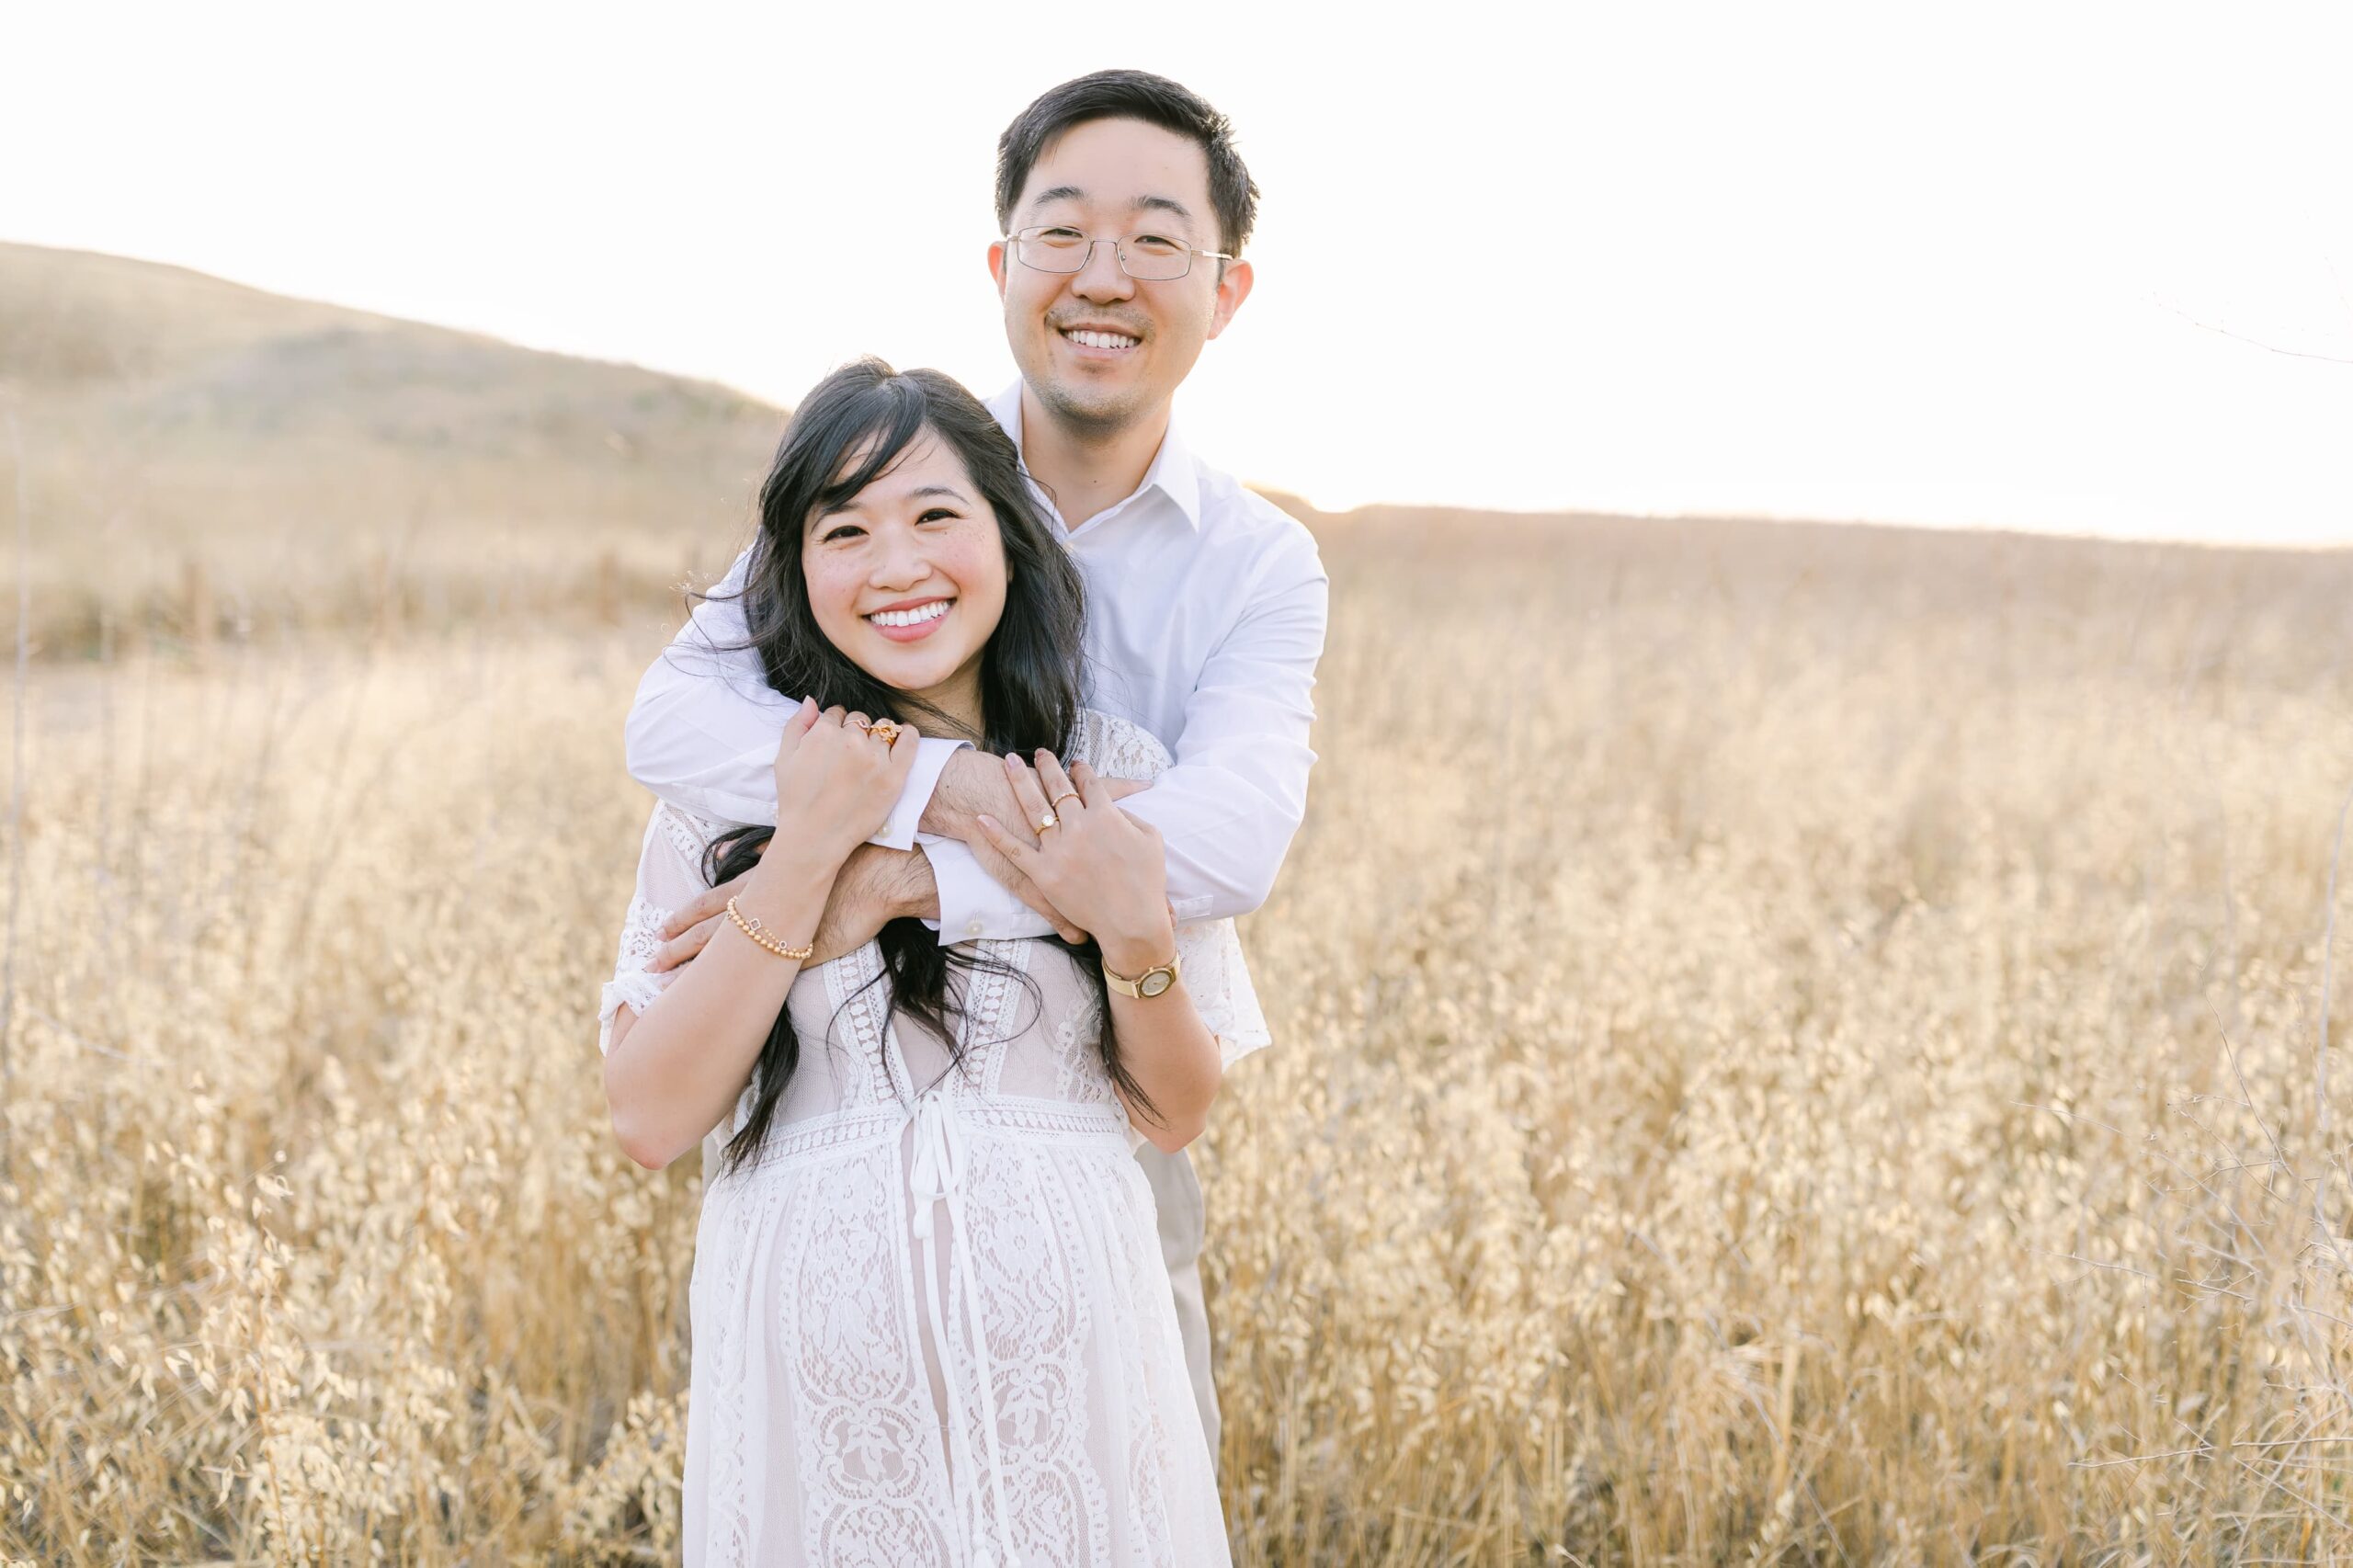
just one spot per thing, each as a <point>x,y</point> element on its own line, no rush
<point>1794,1048</point>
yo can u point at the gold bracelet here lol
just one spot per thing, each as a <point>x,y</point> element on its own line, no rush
<point>750,925</point>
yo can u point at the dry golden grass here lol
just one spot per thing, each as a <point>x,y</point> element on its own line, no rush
<point>1792,1046</point>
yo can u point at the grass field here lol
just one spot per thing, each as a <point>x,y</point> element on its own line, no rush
<point>1793,1045</point>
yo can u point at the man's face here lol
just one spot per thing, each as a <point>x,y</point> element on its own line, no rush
<point>1100,348</point>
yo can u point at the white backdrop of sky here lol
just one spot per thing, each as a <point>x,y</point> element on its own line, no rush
<point>1974,265</point>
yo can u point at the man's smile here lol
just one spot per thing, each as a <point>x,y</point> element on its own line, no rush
<point>1099,338</point>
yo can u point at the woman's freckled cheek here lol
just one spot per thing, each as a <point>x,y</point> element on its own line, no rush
<point>977,566</point>
<point>833,586</point>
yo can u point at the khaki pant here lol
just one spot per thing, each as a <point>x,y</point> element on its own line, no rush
<point>1177,1192</point>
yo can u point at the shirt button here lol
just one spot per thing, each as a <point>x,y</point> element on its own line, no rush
<point>971,927</point>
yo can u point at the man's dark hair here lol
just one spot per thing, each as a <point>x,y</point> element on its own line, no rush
<point>1129,94</point>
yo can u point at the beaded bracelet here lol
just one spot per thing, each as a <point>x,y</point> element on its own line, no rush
<point>750,925</point>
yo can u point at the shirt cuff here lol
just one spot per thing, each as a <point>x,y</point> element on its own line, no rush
<point>973,905</point>
<point>932,757</point>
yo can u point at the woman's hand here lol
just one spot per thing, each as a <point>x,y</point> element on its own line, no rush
<point>835,781</point>
<point>1102,868</point>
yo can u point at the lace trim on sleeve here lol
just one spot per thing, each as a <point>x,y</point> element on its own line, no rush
<point>689,836</point>
<point>1219,980</point>
<point>1117,749</point>
<point>1216,975</point>
<point>669,873</point>
<point>632,984</point>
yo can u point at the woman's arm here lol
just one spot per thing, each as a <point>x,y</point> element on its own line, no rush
<point>1112,869</point>
<point>674,1068</point>
<point>1173,1055</point>
<point>674,1074</point>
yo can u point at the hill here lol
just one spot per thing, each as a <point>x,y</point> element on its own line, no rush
<point>205,458</point>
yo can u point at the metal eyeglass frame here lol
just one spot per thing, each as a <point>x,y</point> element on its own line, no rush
<point>1118,249</point>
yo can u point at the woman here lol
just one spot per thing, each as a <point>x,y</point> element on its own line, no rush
<point>931,1322</point>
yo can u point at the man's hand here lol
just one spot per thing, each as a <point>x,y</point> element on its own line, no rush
<point>691,925</point>
<point>875,887</point>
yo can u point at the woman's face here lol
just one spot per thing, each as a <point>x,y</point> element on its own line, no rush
<point>908,577</point>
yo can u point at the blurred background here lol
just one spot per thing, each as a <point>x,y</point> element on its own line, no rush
<point>1803,1001</point>
<point>2068,269</point>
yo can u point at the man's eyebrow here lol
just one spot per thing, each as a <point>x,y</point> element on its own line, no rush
<point>1163,204</point>
<point>1140,204</point>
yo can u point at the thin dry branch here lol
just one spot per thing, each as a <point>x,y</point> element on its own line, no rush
<point>2256,341</point>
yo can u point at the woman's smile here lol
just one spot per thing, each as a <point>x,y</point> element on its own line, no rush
<point>910,620</point>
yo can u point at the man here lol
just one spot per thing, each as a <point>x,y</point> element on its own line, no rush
<point>1123,208</point>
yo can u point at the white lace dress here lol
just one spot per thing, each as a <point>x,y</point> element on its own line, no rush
<point>931,1325</point>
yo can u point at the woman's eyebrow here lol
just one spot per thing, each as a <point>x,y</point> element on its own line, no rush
<point>855,504</point>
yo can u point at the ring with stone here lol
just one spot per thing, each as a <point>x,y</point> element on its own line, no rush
<point>1049,820</point>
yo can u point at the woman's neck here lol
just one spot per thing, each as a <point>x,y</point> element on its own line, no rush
<point>957,700</point>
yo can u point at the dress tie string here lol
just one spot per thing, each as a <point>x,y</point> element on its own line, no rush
<point>936,1174</point>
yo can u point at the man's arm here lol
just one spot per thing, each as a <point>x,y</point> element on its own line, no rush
<point>703,733</point>
<point>1238,789</point>
<point>873,888</point>
<point>1229,807</point>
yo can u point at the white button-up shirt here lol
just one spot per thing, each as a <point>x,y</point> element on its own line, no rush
<point>1205,613</point>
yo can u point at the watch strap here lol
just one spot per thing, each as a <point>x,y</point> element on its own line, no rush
<point>1127,986</point>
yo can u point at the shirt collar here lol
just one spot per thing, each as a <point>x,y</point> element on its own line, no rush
<point>1172,472</point>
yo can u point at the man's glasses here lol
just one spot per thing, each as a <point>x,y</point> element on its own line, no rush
<point>1148,258</point>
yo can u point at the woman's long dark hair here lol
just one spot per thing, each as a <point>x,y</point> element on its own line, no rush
<point>850,429</point>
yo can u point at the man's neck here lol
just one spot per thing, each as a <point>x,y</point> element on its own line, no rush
<point>1084,472</point>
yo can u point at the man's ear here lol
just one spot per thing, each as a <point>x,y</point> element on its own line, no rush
<point>996,266</point>
<point>1232,289</point>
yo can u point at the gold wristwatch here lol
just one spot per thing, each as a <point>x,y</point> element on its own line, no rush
<point>1151,983</point>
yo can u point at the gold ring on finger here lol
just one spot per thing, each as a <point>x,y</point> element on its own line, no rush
<point>1049,820</point>
<point>883,730</point>
<point>1068,795</point>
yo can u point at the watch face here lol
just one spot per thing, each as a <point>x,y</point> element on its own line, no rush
<point>1155,982</point>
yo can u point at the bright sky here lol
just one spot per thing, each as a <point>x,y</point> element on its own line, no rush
<point>1831,262</point>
